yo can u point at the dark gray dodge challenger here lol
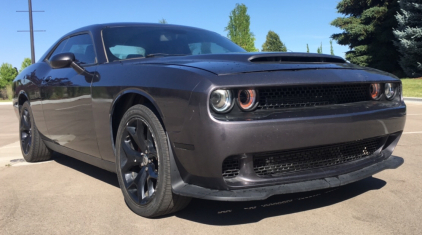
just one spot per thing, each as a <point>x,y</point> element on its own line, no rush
<point>180,112</point>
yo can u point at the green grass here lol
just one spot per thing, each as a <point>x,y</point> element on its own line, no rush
<point>1,100</point>
<point>412,87</point>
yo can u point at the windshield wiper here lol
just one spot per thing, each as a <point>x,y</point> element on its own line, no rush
<point>162,54</point>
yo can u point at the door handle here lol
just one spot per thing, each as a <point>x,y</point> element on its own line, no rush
<point>47,79</point>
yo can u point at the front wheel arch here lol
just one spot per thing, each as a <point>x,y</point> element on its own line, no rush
<point>22,98</point>
<point>125,100</point>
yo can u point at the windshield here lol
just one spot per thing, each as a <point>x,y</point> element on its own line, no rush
<point>146,41</point>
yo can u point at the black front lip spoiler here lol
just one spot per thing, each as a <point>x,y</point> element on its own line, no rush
<point>263,193</point>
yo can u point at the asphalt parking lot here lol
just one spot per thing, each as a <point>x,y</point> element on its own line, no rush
<point>66,196</point>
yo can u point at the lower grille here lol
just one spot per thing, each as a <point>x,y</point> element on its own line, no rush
<point>289,161</point>
<point>311,96</point>
<point>231,167</point>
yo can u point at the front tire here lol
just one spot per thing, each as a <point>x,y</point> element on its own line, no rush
<point>143,164</point>
<point>32,146</point>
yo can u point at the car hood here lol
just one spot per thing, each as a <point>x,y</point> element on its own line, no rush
<point>233,63</point>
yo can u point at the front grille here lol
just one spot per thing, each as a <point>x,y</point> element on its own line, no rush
<point>305,159</point>
<point>311,96</point>
<point>231,167</point>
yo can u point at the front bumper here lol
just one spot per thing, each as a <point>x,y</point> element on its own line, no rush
<point>201,148</point>
<point>262,193</point>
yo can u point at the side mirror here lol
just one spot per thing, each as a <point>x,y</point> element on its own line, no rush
<point>62,60</point>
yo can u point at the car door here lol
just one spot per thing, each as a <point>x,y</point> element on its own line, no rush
<point>67,101</point>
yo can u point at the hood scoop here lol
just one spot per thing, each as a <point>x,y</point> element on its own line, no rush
<point>296,59</point>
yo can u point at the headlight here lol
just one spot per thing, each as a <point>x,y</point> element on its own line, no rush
<point>221,100</point>
<point>375,90</point>
<point>389,91</point>
<point>247,99</point>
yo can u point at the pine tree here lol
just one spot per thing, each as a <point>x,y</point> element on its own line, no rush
<point>273,43</point>
<point>163,21</point>
<point>409,37</point>
<point>331,47</point>
<point>367,30</point>
<point>238,28</point>
<point>307,48</point>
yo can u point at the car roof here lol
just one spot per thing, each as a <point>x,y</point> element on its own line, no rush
<point>96,27</point>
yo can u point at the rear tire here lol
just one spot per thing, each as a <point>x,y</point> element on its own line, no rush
<point>143,165</point>
<point>32,146</point>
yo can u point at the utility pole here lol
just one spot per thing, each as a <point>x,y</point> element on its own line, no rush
<point>31,30</point>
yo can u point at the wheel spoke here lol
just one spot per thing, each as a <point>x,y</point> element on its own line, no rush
<point>131,155</point>
<point>26,144</point>
<point>149,137</point>
<point>151,171</point>
<point>150,186</point>
<point>141,184</point>
<point>125,164</point>
<point>140,135</point>
<point>136,136</point>
<point>25,139</point>
<point>25,123</point>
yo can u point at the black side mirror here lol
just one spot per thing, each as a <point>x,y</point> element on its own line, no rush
<point>62,60</point>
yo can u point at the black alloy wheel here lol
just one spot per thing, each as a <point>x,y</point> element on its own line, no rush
<point>25,131</point>
<point>143,164</point>
<point>138,161</point>
<point>32,146</point>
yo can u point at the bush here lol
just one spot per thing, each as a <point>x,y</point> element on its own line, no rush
<point>6,93</point>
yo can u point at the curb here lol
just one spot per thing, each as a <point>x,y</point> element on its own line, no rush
<point>6,103</point>
<point>412,99</point>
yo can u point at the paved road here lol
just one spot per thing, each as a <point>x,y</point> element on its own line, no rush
<point>65,196</point>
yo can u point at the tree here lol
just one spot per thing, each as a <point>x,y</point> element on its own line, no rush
<point>7,74</point>
<point>307,48</point>
<point>238,28</point>
<point>163,21</point>
<point>409,37</point>
<point>26,62</point>
<point>331,47</point>
<point>273,43</point>
<point>319,50</point>
<point>367,30</point>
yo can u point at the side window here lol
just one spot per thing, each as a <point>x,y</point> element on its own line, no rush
<point>59,49</point>
<point>81,46</point>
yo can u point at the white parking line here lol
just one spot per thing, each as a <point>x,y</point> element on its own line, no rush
<point>415,132</point>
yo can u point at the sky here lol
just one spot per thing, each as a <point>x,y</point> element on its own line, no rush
<point>296,22</point>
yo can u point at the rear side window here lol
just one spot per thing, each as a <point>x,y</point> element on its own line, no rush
<point>81,46</point>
